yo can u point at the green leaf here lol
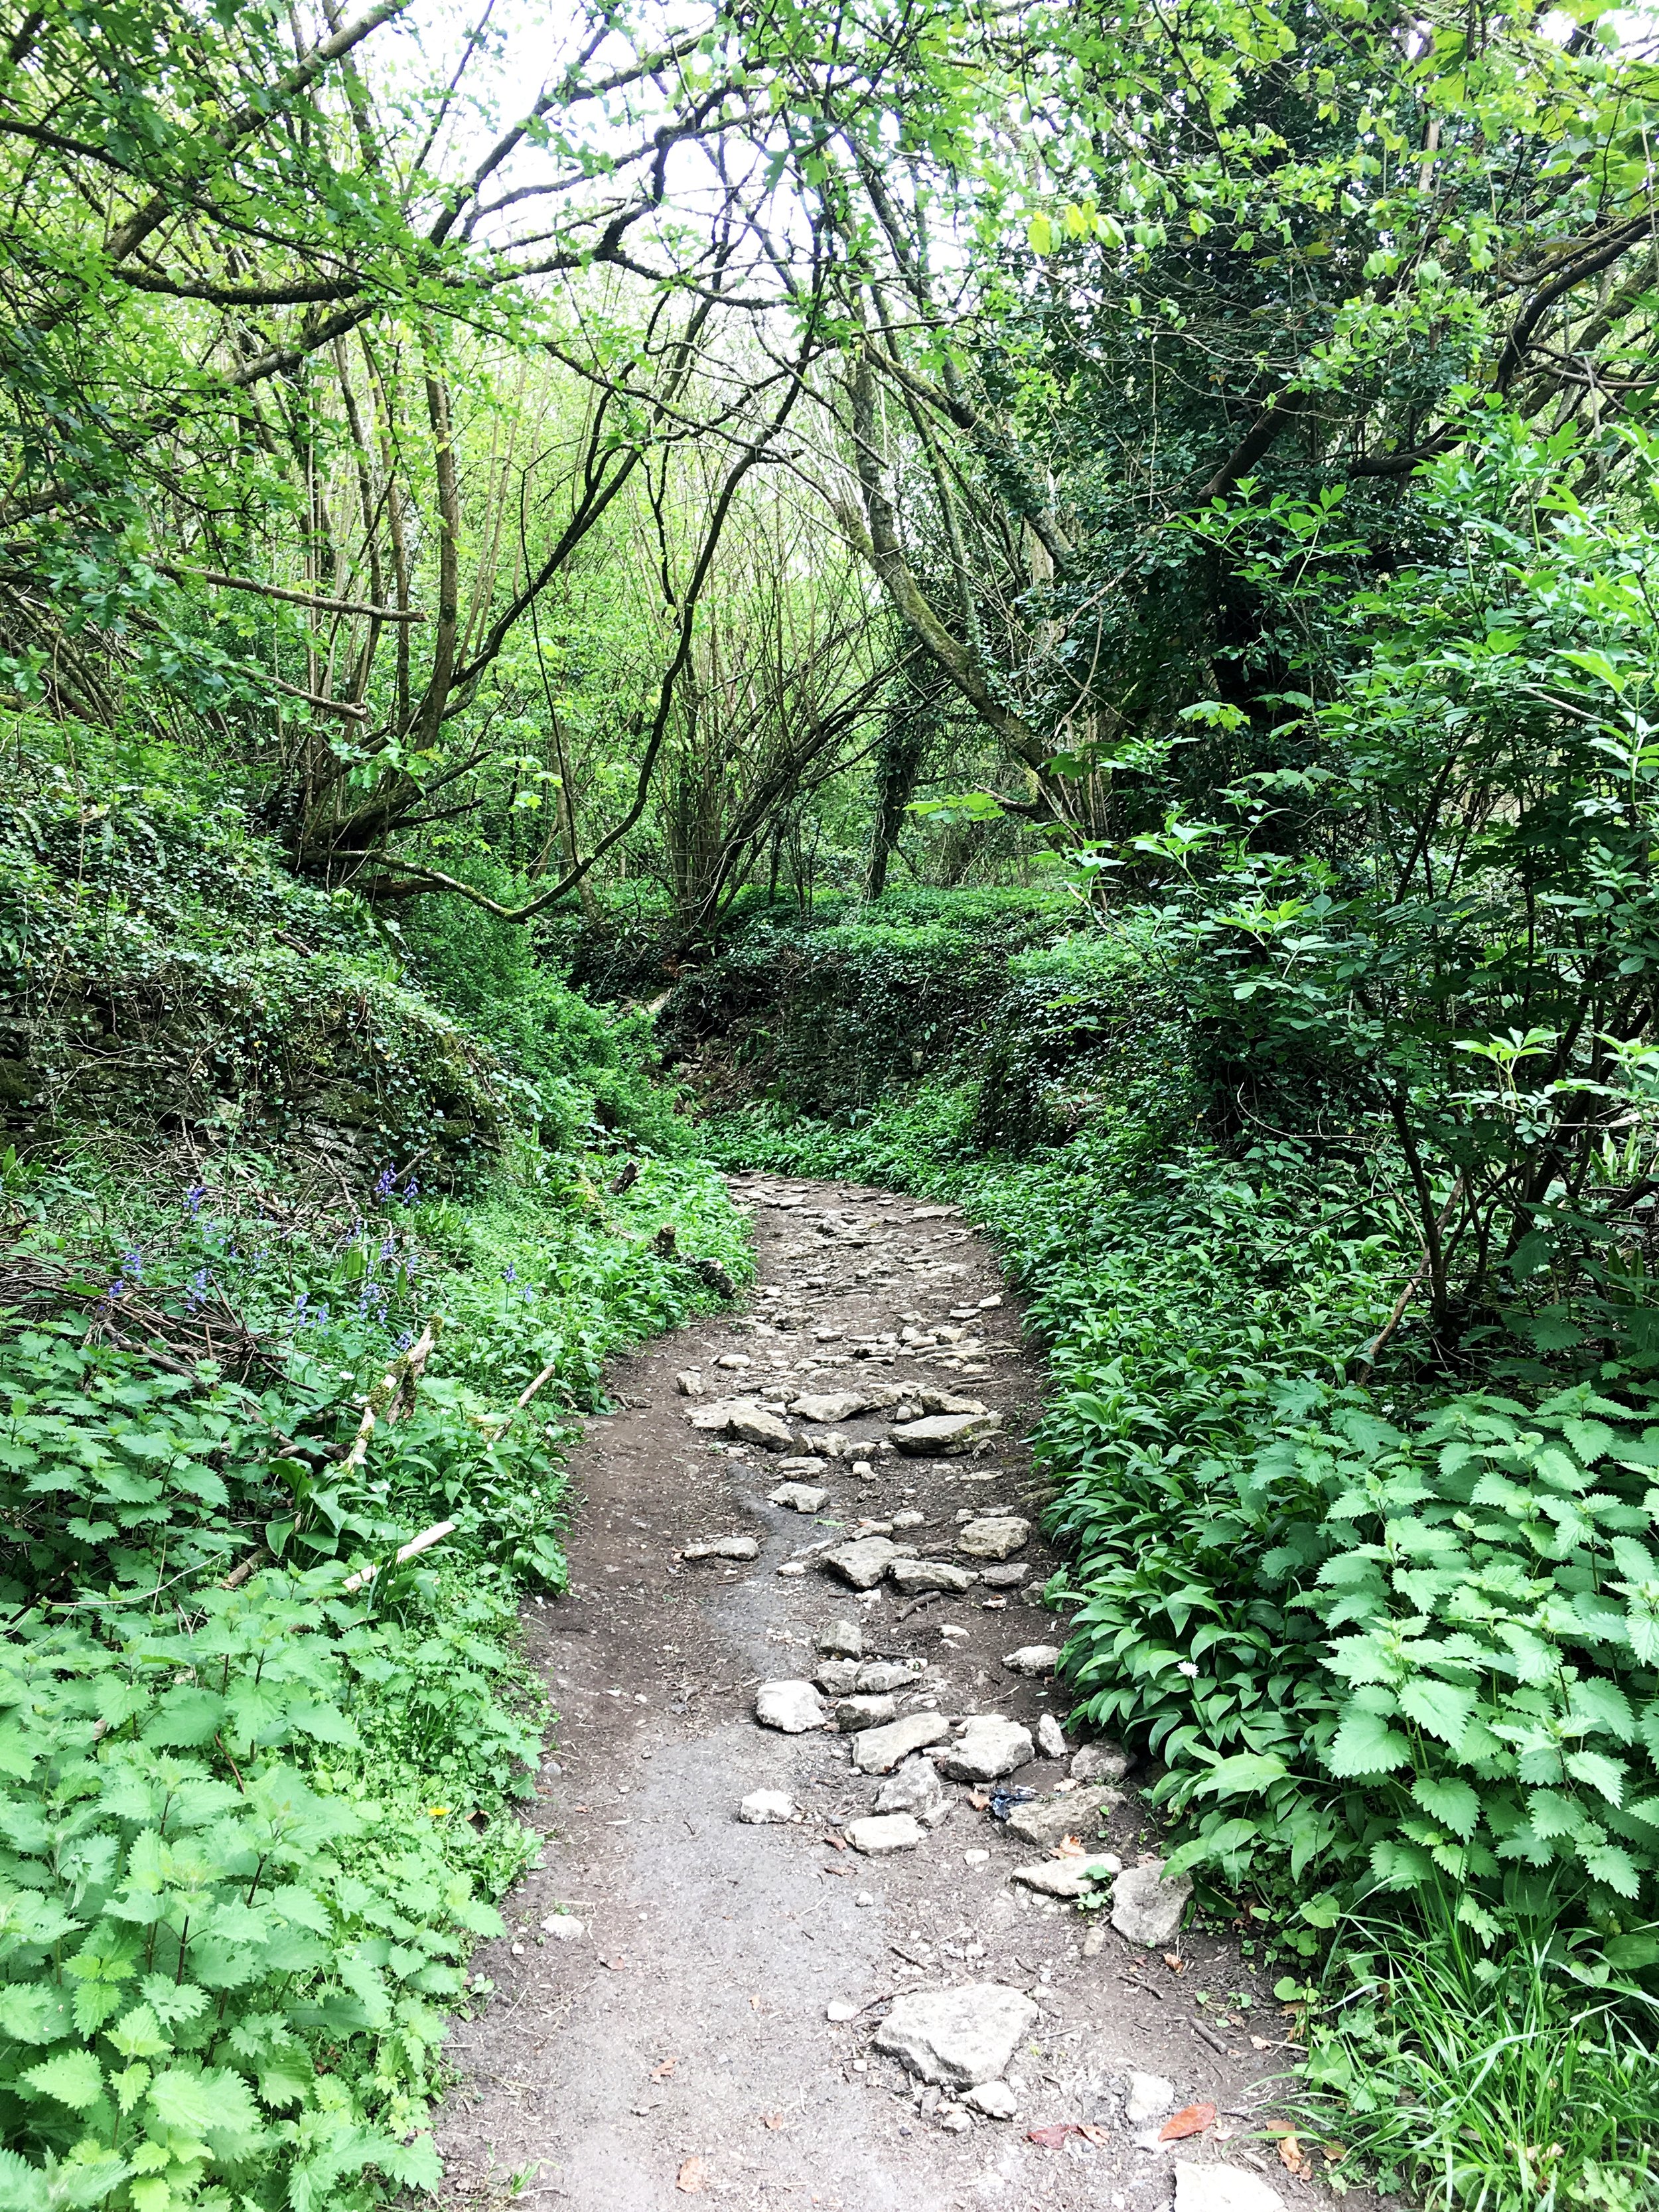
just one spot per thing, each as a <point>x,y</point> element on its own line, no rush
<point>212,2103</point>
<point>1454,1804</point>
<point>74,2078</point>
<point>1442,1708</point>
<point>1365,1744</point>
<point>1607,1775</point>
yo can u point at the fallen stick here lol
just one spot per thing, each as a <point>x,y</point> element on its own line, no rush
<point>415,1546</point>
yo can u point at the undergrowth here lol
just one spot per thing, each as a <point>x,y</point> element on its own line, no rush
<point>1391,1638</point>
<point>253,1818</point>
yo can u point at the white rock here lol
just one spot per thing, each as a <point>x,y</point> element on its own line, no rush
<point>996,1538</point>
<point>831,1405</point>
<point>768,1807</point>
<point>853,1714</point>
<point>842,1639</point>
<point>863,1563</point>
<point>792,1567</point>
<point>909,1518</point>
<point>883,1833</point>
<point>724,1548</point>
<point>764,1429</point>
<point>1100,1762</point>
<point>878,1677</point>
<point>1150,2097</point>
<point>799,1497</point>
<point>717,1414</point>
<point>688,1384</point>
<point>1051,1737</point>
<point>994,2099</point>
<point>916,1788</point>
<point>1222,2188</point>
<point>563,1927</point>
<point>912,1575</point>
<point>1068,1877</point>
<point>734,1360</point>
<point>988,1748</point>
<point>836,1677</point>
<point>792,1707</point>
<point>1145,1908</point>
<point>879,1750</point>
<point>1033,1659</point>
<point>959,2038</point>
<point>939,1435</point>
<point>1046,1820</point>
<point>840,2013</point>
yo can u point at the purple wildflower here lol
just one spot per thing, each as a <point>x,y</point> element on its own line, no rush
<point>411,1191</point>
<point>193,1198</point>
<point>383,1183</point>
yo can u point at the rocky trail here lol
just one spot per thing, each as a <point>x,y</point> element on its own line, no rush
<point>804,1931</point>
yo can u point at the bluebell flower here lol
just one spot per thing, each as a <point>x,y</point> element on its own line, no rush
<point>383,1183</point>
<point>411,1191</point>
<point>193,1198</point>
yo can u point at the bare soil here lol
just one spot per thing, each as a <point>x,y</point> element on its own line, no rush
<point>681,2046</point>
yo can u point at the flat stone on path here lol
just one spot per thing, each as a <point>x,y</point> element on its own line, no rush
<point>1144,1907</point>
<point>1046,1820</point>
<point>768,1807</point>
<point>996,1537</point>
<point>1100,1762</point>
<point>716,1415</point>
<point>1013,1576</point>
<point>790,1707</point>
<point>915,1788</point>
<point>1066,1877</point>
<point>994,2099</point>
<point>765,1429</point>
<point>988,1748</point>
<point>724,1548</point>
<point>939,1435</point>
<point>879,1678</point>
<point>1033,1659</point>
<point>913,1575</point>
<point>958,2038</point>
<point>853,1714</point>
<point>798,1497</point>
<point>863,1563</point>
<point>883,1833</point>
<point>840,1639</point>
<point>835,1405</point>
<point>1222,2188</point>
<point>836,1677</point>
<point>879,1750</point>
<point>1150,2097</point>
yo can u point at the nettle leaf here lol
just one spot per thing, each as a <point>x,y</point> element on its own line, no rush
<point>74,2078</point>
<point>1608,1863</point>
<point>1454,1804</point>
<point>1442,1708</point>
<point>1365,1744</point>
<point>39,2015</point>
<point>218,2103</point>
<point>1597,1704</point>
<point>1607,1775</point>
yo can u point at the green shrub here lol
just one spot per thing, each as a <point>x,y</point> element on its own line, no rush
<point>248,1835</point>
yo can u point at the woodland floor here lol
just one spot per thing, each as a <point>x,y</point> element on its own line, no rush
<point>690,2023</point>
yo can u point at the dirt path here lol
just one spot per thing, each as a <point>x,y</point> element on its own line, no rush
<point>683,2044</point>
